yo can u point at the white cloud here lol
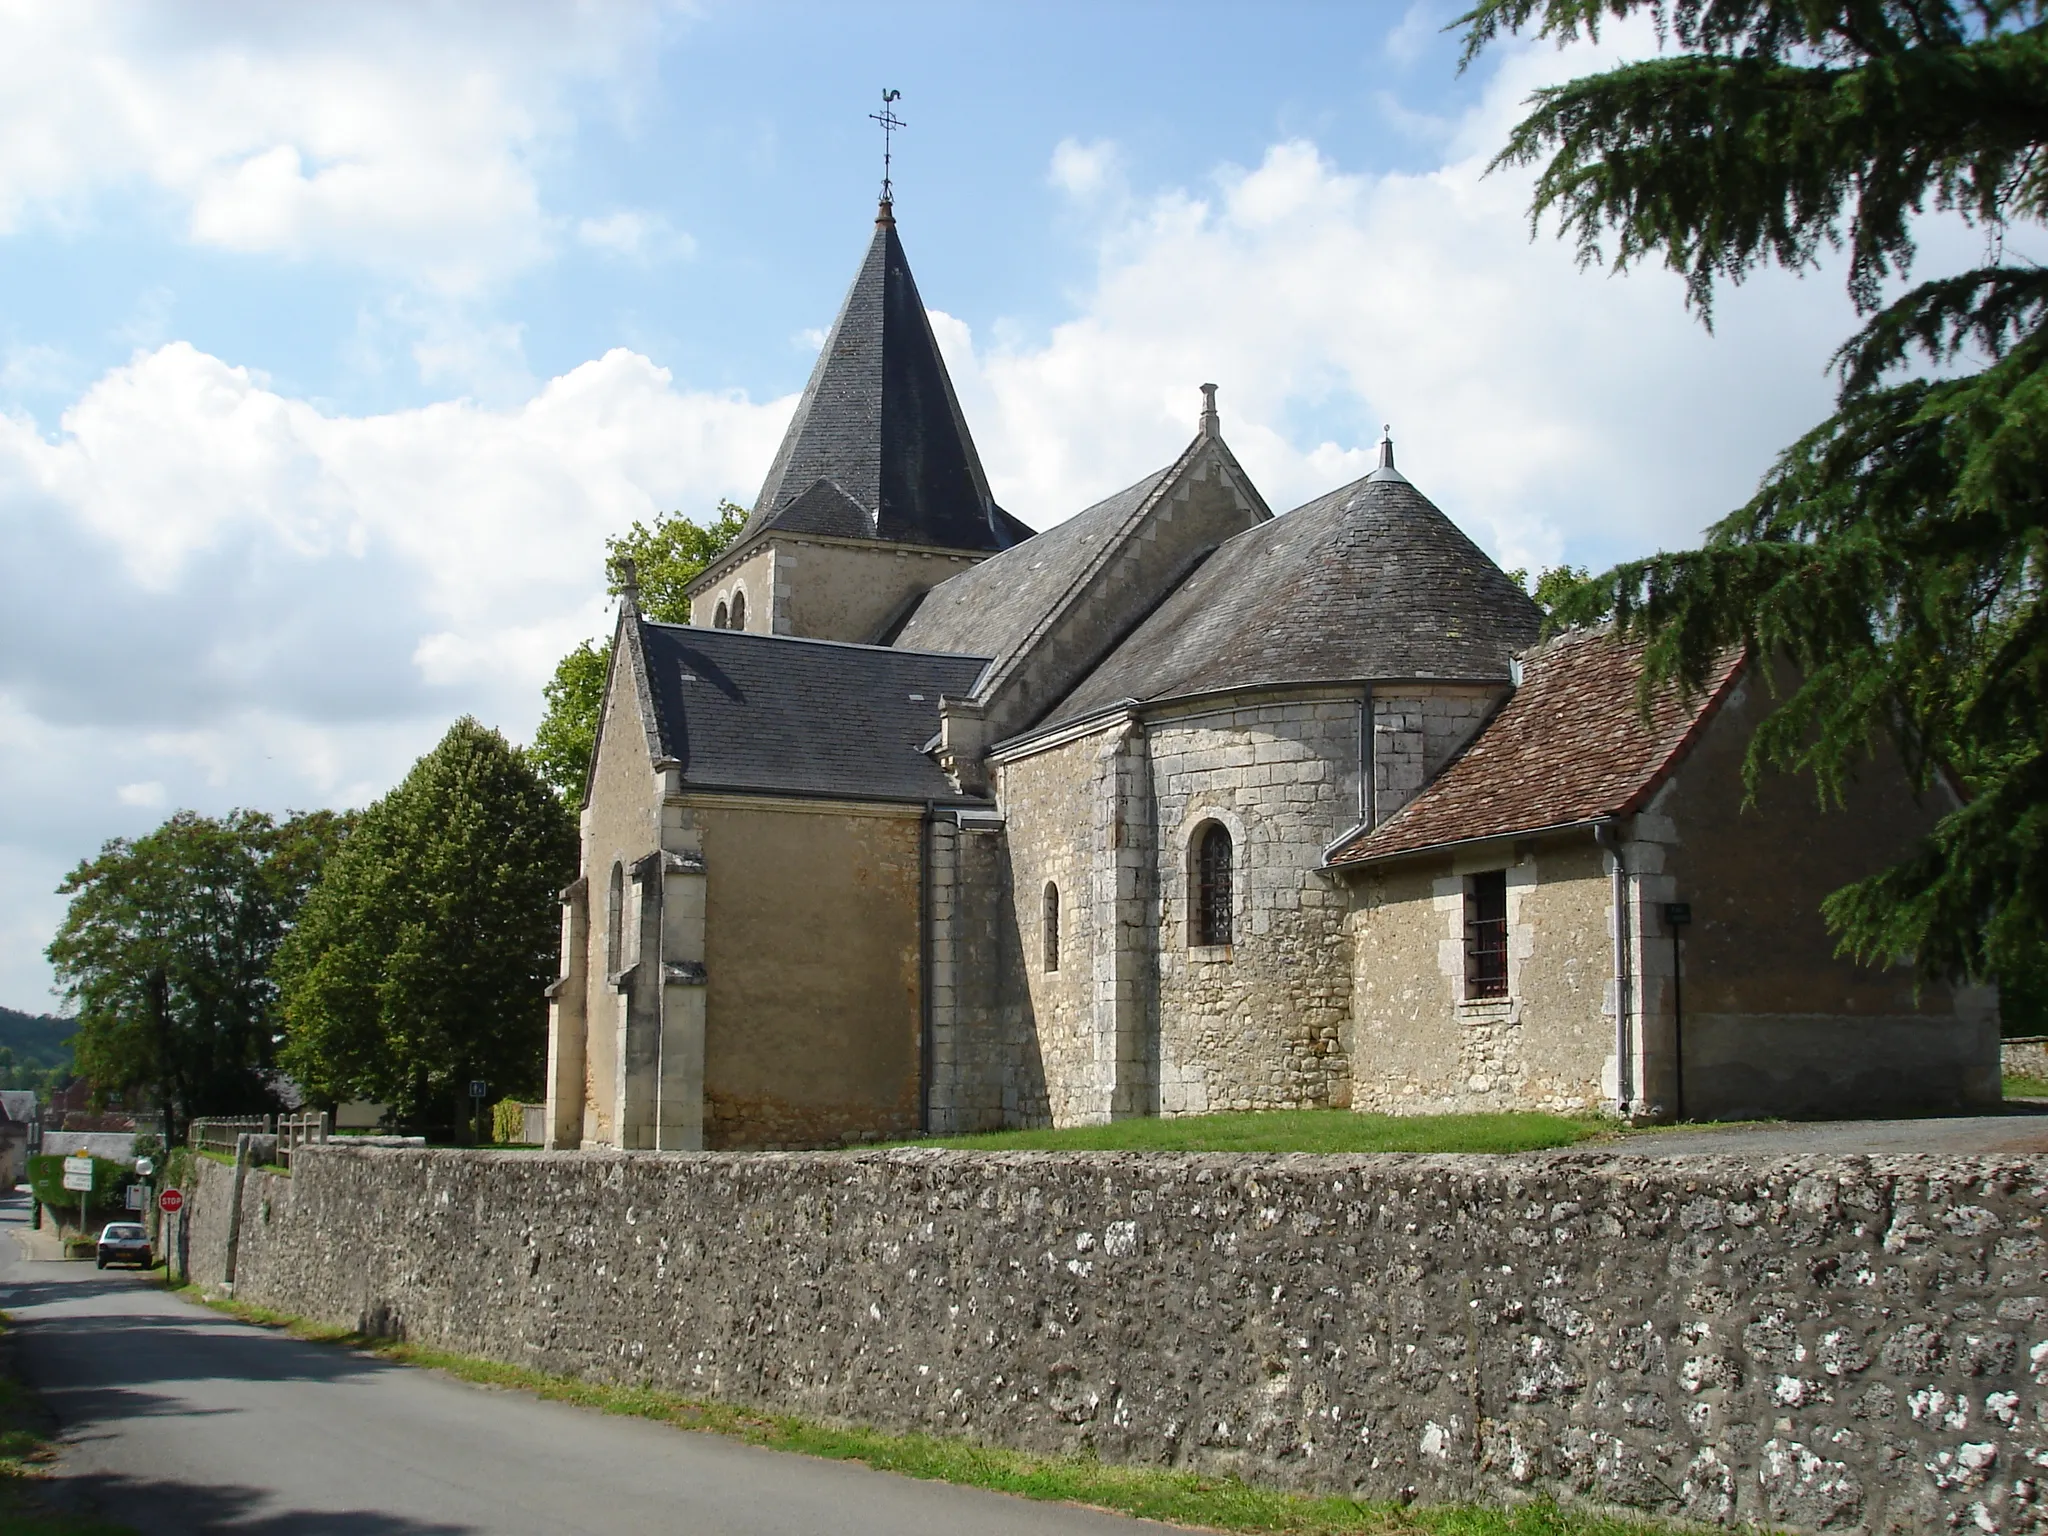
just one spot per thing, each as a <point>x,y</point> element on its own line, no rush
<point>635,235</point>
<point>1085,170</point>
<point>218,595</point>
<point>1556,413</point>
<point>396,137</point>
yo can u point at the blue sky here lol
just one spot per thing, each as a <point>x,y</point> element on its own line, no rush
<point>333,340</point>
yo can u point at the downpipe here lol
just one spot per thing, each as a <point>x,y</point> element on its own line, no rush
<point>1606,835</point>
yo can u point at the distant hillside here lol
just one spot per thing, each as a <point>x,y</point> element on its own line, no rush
<point>38,1041</point>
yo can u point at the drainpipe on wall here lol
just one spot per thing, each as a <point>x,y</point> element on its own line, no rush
<point>1609,838</point>
<point>1368,791</point>
<point>924,970</point>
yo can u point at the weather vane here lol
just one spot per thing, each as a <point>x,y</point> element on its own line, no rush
<point>890,123</point>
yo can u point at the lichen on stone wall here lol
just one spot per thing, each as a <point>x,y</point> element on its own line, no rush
<point>1827,1344</point>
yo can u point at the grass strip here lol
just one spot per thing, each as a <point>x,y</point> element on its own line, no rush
<point>2020,1086</point>
<point>1299,1130</point>
<point>1179,1498</point>
<point>25,1454</point>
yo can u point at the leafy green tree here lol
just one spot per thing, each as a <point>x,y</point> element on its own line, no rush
<point>421,958</point>
<point>165,953</point>
<point>1894,553</point>
<point>666,558</point>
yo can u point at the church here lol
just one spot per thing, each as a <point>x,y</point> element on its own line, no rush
<point>928,823</point>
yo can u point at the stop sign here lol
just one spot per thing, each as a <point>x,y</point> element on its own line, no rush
<point>170,1202</point>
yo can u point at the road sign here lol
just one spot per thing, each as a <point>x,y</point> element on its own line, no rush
<point>171,1201</point>
<point>134,1197</point>
<point>478,1088</point>
<point>78,1173</point>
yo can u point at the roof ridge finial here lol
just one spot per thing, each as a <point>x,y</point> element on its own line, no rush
<point>627,572</point>
<point>1212,424</point>
<point>1386,445</point>
<point>890,123</point>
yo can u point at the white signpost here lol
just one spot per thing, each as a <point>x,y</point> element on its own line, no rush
<point>78,1177</point>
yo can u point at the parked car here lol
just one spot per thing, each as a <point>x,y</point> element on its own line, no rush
<point>125,1242</point>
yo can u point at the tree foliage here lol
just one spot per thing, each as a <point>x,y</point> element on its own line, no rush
<point>1894,553</point>
<point>422,957</point>
<point>165,954</point>
<point>666,559</point>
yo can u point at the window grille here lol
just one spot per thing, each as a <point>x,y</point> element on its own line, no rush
<point>1052,927</point>
<point>739,610</point>
<point>1486,934</point>
<point>1213,886</point>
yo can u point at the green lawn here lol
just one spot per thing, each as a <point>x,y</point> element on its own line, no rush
<point>1297,1130</point>
<point>2026,1088</point>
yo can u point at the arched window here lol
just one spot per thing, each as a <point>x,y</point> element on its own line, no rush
<point>615,921</point>
<point>718,618</point>
<point>739,610</point>
<point>1213,885</point>
<point>1052,926</point>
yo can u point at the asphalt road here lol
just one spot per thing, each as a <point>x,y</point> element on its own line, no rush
<point>178,1420</point>
<point>2021,1129</point>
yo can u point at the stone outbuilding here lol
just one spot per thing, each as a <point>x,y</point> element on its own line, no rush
<point>1588,909</point>
<point>928,823</point>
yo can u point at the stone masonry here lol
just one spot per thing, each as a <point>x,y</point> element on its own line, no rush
<point>1852,1344</point>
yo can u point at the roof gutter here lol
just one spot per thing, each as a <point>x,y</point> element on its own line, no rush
<point>1554,829</point>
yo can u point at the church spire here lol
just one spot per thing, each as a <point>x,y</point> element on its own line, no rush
<point>878,448</point>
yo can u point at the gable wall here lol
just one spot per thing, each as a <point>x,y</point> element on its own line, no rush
<point>622,824</point>
<point>1203,510</point>
<point>1774,1021</point>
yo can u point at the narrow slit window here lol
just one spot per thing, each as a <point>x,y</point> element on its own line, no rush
<point>1486,934</point>
<point>739,610</point>
<point>1213,886</point>
<point>1052,927</point>
<point>615,921</point>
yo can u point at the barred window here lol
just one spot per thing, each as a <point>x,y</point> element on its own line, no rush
<point>1052,926</point>
<point>1213,886</point>
<point>739,610</point>
<point>1486,934</point>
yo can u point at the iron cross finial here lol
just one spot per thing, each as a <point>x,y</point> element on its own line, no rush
<point>890,123</point>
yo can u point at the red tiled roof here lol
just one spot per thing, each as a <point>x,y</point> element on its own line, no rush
<point>1570,746</point>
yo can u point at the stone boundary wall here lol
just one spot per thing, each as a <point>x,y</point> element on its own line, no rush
<point>2025,1056</point>
<point>1826,1344</point>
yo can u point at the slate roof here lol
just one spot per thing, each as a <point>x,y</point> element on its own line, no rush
<point>1368,582</point>
<point>1569,747</point>
<point>991,608</point>
<point>18,1104</point>
<point>781,715</point>
<point>878,448</point>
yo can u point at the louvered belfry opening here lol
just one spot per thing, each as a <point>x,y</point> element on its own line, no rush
<point>1213,886</point>
<point>1486,934</point>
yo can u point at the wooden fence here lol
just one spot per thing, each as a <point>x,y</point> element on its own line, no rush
<point>219,1133</point>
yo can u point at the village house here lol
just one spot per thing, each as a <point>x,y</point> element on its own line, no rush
<point>928,822</point>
